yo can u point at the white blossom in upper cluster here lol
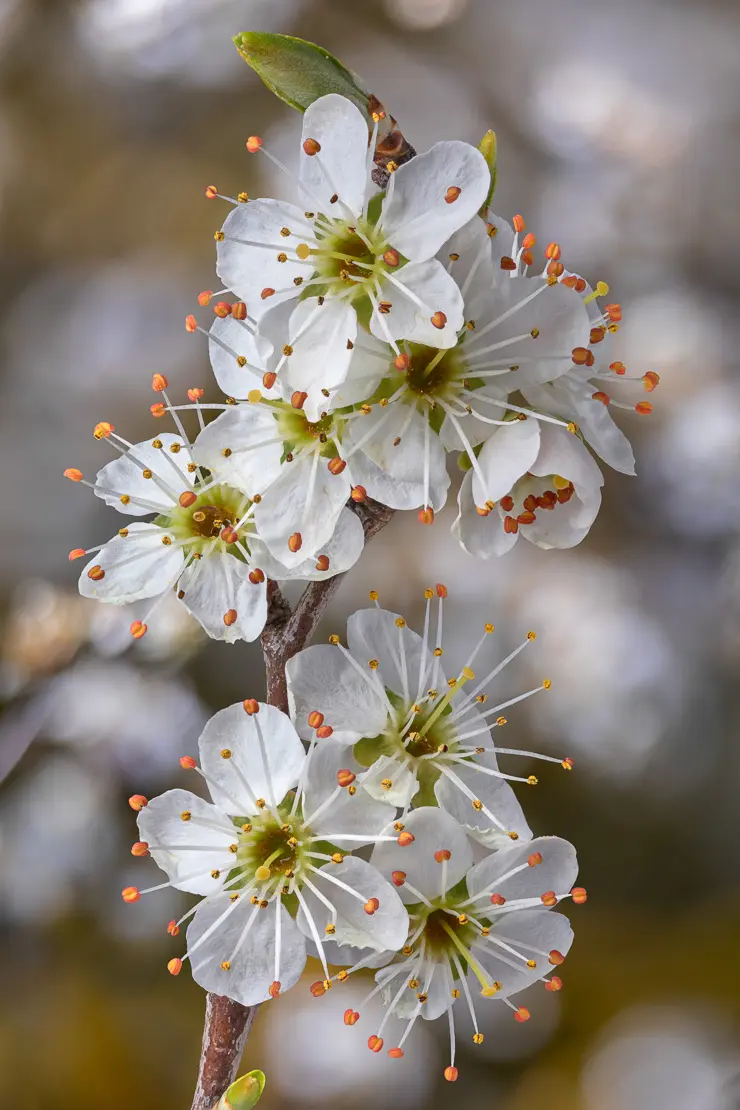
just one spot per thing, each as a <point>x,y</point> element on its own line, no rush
<point>203,541</point>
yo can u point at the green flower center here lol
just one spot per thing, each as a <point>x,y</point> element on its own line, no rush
<point>206,524</point>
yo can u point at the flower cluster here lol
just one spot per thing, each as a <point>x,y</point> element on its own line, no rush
<point>455,898</point>
<point>367,334</point>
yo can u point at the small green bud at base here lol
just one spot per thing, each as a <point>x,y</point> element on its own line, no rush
<point>487,147</point>
<point>243,1092</point>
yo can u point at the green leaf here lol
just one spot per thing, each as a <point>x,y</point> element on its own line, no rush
<point>487,147</point>
<point>297,71</point>
<point>243,1092</point>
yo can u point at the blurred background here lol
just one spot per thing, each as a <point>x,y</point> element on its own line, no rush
<point>618,128</point>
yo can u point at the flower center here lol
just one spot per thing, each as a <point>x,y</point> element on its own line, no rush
<point>442,929</point>
<point>297,431</point>
<point>209,517</point>
<point>270,848</point>
<point>351,256</point>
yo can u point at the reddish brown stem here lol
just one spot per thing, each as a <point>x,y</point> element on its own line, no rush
<point>286,632</point>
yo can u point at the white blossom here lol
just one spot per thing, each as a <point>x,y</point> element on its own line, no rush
<point>268,856</point>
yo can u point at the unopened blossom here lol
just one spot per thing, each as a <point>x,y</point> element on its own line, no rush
<point>478,932</point>
<point>202,542</point>
<point>268,856</point>
<point>531,479</point>
<point>423,738</point>
<point>347,256</point>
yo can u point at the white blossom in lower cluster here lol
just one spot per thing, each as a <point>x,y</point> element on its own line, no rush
<point>268,856</point>
<point>424,739</point>
<point>203,541</point>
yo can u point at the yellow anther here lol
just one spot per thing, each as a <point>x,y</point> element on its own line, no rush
<point>559,482</point>
<point>334,639</point>
<point>477,1038</point>
<point>489,628</point>
<point>254,396</point>
<point>501,721</point>
<point>533,780</point>
<point>373,664</point>
<point>489,992</point>
<point>374,595</point>
<point>438,652</point>
<point>400,622</point>
<point>477,804</point>
<point>546,683</point>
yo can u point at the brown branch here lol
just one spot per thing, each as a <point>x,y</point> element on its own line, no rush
<point>227,1023</point>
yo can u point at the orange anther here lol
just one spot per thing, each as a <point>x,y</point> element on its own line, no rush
<point>452,194</point>
<point>440,589</point>
<point>195,394</point>
<point>579,895</point>
<point>187,499</point>
<point>527,258</point>
<point>73,474</point>
<point>398,877</point>
<point>438,319</point>
<point>405,838</point>
<point>204,298</point>
<point>140,848</point>
<point>315,719</point>
<point>371,906</point>
<point>317,989</point>
<point>555,983</point>
<point>311,147</point>
<point>239,310</point>
<point>507,263</point>
<point>522,1014</point>
<point>614,312</point>
<point>251,706</point>
<point>375,1043</point>
<point>535,859</point>
<point>322,563</point>
<point>267,292</point>
<point>298,399</point>
<point>211,191</point>
<point>644,408</point>
<point>103,429</point>
<point>618,367</point>
<point>580,285</point>
<point>230,617</point>
<point>442,855</point>
<point>568,764</point>
<point>256,576</point>
<point>556,958</point>
<point>507,503</point>
<point>174,966</point>
<point>159,383</point>
<point>295,543</point>
<point>519,223</point>
<point>553,252</point>
<point>130,894</point>
<point>274,988</point>
<point>229,535</point>
<point>549,898</point>
<point>555,269</point>
<point>191,324</point>
<point>511,527</point>
<point>402,362</point>
<point>76,553</point>
<point>580,355</point>
<point>138,629</point>
<point>451,1073</point>
<point>596,335</point>
<point>526,518</point>
<point>158,409</point>
<point>391,257</point>
<point>529,241</point>
<point>651,380</point>
<point>358,493</point>
<point>601,396</point>
<point>222,309</point>
<point>323,732</point>
<point>351,1017</point>
<point>187,762</point>
<point>96,573</point>
<point>482,512</point>
<point>498,900</point>
<point>395,1053</point>
<point>425,516</point>
<point>253,143</point>
<point>345,778</point>
<point>570,281</point>
<point>173,928</point>
<point>336,465</point>
<point>137,802</point>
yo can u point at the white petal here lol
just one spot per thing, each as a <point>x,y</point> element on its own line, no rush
<point>248,270</point>
<point>437,992</point>
<point>286,509</point>
<point>342,549</point>
<point>430,289</point>
<point>125,477</point>
<point>433,830</point>
<point>136,566</point>
<point>532,928</point>
<point>507,455</point>
<point>233,379</point>
<point>160,822</point>
<point>400,775</point>
<point>320,334</point>
<point>342,955</point>
<point>218,586</point>
<point>252,970</point>
<point>564,454</point>
<point>395,471</point>
<point>357,814</point>
<point>269,769</point>
<point>479,536</point>
<point>592,417</point>
<point>557,872</point>
<point>340,168</point>
<point>386,929</point>
<point>371,362</point>
<point>417,217</point>
<point>321,678</point>
<point>241,430</point>
<point>497,797</point>
<point>477,267</point>
<point>374,634</point>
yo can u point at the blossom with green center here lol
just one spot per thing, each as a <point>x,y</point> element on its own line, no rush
<point>424,739</point>
<point>269,856</point>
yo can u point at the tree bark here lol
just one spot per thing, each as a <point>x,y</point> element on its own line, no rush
<point>286,632</point>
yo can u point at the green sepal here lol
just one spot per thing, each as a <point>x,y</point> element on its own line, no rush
<point>487,147</point>
<point>243,1093</point>
<point>298,71</point>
